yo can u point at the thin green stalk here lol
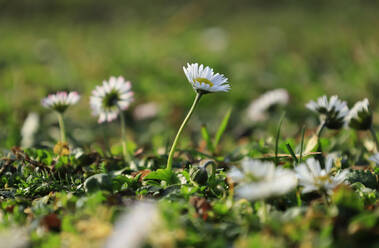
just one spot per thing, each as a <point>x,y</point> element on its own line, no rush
<point>175,143</point>
<point>320,157</point>
<point>277,139</point>
<point>290,150</point>
<point>373,133</point>
<point>302,144</point>
<point>320,130</point>
<point>123,138</point>
<point>61,127</point>
<point>264,211</point>
<point>298,198</point>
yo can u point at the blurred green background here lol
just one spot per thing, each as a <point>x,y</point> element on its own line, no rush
<point>309,48</point>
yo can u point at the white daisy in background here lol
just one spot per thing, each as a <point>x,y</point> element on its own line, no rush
<point>204,80</point>
<point>132,229</point>
<point>146,111</point>
<point>375,158</point>
<point>215,39</point>
<point>257,110</point>
<point>112,97</point>
<point>60,101</point>
<point>332,111</point>
<point>313,178</point>
<point>360,116</point>
<point>260,180</point>
<point>109,100</point>
<point>29,129</point>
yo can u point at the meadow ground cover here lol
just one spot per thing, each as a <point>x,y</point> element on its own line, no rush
<point>279,148</point>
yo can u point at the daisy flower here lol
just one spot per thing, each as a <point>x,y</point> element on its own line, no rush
<point>360,116</point>
<point>112,97</point>
<point>313,178</point>
<point>204,80</point>
<point>109,100</point>
<point>257,110</point>
<point>260,180</point>
<point>333,111</point>
<point>60,101</point>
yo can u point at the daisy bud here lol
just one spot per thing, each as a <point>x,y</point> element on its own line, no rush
<point>360,116</point>
<point>333,111</point>
<point>199,175</point>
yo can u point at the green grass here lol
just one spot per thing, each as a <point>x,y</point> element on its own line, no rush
<point>309,49</point>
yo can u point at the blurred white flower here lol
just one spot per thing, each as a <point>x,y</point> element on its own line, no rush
<point>313,178</point>
<point>14,238</point>
<point>375,158</point>
<point>132,229</point>
<point>259,180</point>
<point>60,101</point>
<point>204,80</point>
<point>333,111</point>
<point>360,116</point>
<point>112,97</point>
<point>257,110</point>
<point>29,129</point>
<point>215,39</point>
<point>145,111</point>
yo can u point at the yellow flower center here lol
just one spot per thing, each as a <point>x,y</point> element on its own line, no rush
<point>323,179</point>
<point>204,80</point>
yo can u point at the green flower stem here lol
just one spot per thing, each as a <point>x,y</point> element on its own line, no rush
<point>264,211</point>
<point>125,152</point>
<point>373,133</point>
<point>320,130</point>
<point>61,127</point>
<point>319,133</point>
<point>320,157</point>
<point>298,198</point>
<point>175,143</point>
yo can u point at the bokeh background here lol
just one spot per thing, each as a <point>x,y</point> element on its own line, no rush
<point>309,48</point>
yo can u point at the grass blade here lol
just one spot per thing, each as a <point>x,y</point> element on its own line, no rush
<point>290,150</point>
<point>222,128</point>
<point>302,144</point>
<point>206,137</point>
<point>277,139</point>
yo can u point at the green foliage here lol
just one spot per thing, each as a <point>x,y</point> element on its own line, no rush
<point>366,177</point>
<point>221,129</point>
<point>165,175</point>
<point>75,200</point>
